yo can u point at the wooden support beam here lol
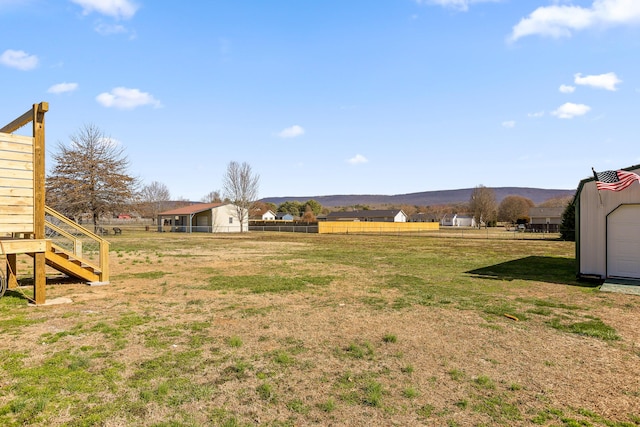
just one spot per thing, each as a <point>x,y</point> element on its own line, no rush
<point>104,261</point>
<point>39,278</point>
<point>22,246</point>
<point>18,123</point>
<point>39,261</point>
<point>25,118</point>
<point>12,265</point>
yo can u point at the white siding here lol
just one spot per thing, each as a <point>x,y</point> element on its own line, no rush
<point>400,217</point>
<point>225,220</point>
<point>268,216</point>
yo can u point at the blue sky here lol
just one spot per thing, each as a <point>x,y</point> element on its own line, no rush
<point>336,96</point>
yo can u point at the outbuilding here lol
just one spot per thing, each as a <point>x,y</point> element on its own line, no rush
<point>457,220</point>
<point>608,228</point>
<point>545,219</point>
<point>204,218</point>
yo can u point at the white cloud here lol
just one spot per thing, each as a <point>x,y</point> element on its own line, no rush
<point>509,124</point>
<point>461,5</point>
<point>108,29</point>
<point>358,159</point>
<point>19,59</point>
<point>291,132</point>
<point>127,99</point>
<point>119,9</point>
<point>62,88</point>
<point>567,89</point>
<point>606,81</point>
<point>563,20</point>
<point>570,110</point>
<point>536,114</point>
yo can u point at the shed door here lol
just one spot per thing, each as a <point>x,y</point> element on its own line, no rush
<point>623,242</point>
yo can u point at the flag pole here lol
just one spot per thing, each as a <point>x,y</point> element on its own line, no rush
<point>596,177</point>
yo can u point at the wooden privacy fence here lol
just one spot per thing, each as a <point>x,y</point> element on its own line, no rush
<point>346,227</point>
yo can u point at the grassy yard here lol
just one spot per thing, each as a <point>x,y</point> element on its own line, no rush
<point>289,330</point>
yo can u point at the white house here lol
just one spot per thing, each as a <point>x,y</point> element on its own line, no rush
<point>608,230</point>
<point>204,218</point>
<point>457,220</point>
<point>269,216</point>
<point>262,214</point>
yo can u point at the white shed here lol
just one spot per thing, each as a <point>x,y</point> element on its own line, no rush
<point>608,230</point>
<point>456,220</point>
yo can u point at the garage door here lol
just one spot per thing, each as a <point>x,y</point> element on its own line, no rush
<point>623,242</point>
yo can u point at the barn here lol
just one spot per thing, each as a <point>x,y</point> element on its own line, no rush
<point>608,226</point>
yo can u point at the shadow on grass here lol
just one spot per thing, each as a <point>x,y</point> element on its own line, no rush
<point>539,268</point>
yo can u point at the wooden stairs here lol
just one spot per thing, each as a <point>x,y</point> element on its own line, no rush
<point>74,250</point>
<point>67,263</point>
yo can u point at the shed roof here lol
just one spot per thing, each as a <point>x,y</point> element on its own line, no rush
<point>592,178</point>
<point>192,209</point>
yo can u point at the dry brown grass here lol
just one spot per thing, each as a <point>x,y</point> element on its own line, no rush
<point>273,329</point>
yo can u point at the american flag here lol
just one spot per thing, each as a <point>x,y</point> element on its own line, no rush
<point>615,180</point>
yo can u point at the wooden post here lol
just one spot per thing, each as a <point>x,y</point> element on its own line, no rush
<point>39,276</point>
<point>12,280</point>
<point>104,260</point>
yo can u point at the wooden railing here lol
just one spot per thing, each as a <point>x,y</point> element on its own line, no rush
<point>82,243</point>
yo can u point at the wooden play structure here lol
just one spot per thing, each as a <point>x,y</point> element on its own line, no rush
<point>29,227</point>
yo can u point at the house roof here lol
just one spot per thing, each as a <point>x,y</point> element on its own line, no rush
<point>450,216</point>
<point>281,215</point>
<point>365,214</point>
<point>546,212</point>
<point>424,215</point>
<point>192,209</point>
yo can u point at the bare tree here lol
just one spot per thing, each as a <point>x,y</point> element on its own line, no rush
<point>241,188</point>
<point>482,204</point>
<point>212,197</point>
<point>556,202</point>
<point>90,175</point>
<point>513,208</point>
<point>154,198</point>
<point>309,215</point>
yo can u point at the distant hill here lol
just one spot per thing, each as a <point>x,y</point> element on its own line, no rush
<point>425,198</point>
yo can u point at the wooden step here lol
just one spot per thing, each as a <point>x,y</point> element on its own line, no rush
<point>71,267</point>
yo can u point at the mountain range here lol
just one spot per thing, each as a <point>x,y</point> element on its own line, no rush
<point>425,198</point>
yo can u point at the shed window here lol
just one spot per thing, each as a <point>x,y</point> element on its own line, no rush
<point>230,220</point>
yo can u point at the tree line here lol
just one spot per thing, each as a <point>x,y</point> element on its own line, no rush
<point>91,177</point>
